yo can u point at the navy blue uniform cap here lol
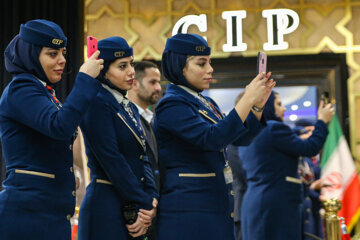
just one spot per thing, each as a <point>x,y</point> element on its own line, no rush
<point>43,33</point>
<point>188,44</point>
<point>114,47</point>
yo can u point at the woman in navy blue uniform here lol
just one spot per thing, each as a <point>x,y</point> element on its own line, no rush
<point>121,175</point>
<point>271,207</point>
<point>196,197</point>
<point>37,134</point>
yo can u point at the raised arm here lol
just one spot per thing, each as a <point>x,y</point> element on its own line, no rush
<point>30,105</point>
<point>287,141</point>
<point>179,118</point>
<point>256,94</point>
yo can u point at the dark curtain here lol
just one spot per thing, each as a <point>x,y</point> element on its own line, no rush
<point>68,14</point>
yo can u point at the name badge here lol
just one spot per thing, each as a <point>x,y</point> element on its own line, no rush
<point>228,174</point>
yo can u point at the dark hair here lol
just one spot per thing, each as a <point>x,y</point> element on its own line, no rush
<point>140,68</point>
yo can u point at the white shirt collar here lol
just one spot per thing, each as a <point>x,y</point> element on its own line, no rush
<point>198,96</point>
<point>118,96</point>
<point>146,113</point>
<point>192,92</point>
<point>43,83</point>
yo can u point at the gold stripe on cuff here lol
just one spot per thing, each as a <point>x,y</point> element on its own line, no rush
<point>103,181</point>
<point>41,174</point>
<point>197,174</point>
<point>293,180</point>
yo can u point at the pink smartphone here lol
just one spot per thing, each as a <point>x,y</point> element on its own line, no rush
<point>92,45</point>
<point>261,63</point>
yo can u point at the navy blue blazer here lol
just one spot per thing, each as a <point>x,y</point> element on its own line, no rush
<point>271,207</point>
<point>120,170</point>
<point>195,202</point>
<point>36,134</point>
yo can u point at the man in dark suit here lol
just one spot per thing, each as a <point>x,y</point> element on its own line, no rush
<point>146,92</point>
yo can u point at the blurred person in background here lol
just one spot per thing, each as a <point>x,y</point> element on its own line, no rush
<point>272,203</point>
<point>309,171</point>
<point>145,93</point>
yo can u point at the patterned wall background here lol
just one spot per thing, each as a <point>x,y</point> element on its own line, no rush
<point>325,26</point>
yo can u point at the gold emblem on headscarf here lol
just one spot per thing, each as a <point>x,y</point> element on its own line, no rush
<point>200,48</point>
<point>119,54</point>
<point>57,41</point>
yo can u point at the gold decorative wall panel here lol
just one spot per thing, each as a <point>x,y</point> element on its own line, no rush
<point>325,26</point>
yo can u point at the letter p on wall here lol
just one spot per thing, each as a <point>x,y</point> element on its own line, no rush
<point>279,23</point>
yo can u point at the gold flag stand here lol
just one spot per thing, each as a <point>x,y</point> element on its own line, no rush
<point>332,223</point>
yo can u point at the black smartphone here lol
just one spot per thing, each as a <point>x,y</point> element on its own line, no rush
<point>325,97</point>
<point>261,63</point>
<point>130,214</point>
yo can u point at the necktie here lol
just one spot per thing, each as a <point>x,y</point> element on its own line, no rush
<point>209,106</point>
<point>126,105</point>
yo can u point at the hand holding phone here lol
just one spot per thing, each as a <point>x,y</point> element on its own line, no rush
<point>327,111</point>
<point>92,45</point>
<point>261,63</point>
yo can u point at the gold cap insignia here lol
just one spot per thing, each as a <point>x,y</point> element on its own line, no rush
<point>119,54</point>
<point>57,41</point>
<point>200,48</point>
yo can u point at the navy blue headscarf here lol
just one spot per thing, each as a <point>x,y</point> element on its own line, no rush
<point>111,49</point>
<point>23,57</point>
<point>22,53</point>
<point>269,110</point>
<point>178,48</point>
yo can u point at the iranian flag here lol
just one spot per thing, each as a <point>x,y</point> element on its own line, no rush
<point>338,169</point>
